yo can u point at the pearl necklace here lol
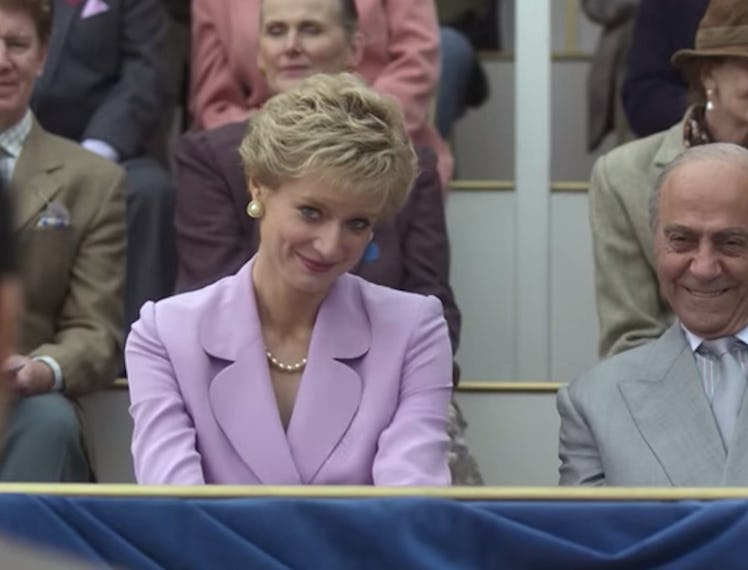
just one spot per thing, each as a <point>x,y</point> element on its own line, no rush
<point>295,367</point>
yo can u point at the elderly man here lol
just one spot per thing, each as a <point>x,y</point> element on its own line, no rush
<point>669,412</point>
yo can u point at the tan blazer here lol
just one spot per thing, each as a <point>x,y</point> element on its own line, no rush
<point>629,307</point>
<point>72,275</point>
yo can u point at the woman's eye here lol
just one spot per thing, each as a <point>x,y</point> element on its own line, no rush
<point>275,30</point>
<point>312,29</point>
<point>309,213</point>
<point>359,225</point>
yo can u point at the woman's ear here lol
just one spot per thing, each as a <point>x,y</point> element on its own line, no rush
<point>706,76</point>
<point>255,190</point>
<point>357,50</point>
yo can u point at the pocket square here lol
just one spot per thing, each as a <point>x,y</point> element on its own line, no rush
<point>55,215</point>
<point>93,7</point>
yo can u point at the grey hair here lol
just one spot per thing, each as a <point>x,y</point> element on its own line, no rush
<point>712,152</point>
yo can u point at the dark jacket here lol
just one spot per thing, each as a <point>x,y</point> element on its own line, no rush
<point>215,237</point>
<point>106,76</point>
<point>655,94</point>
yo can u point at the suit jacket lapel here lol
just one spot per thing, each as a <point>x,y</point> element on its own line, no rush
<point>673,414</point>
<point>65,14</point>
<point>331,388</point>
<point>32,186</point>
<point>241,395</point>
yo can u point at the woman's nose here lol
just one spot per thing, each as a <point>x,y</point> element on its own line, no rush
<point>292,42</point>
<point>327,242</point>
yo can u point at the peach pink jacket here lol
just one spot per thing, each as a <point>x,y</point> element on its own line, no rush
<point>401,58</point>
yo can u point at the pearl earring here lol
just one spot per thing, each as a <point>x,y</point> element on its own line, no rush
<point>255,209</point>
<point>709,103</point>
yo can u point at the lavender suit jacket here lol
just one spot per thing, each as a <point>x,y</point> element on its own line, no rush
<point>371,406</point>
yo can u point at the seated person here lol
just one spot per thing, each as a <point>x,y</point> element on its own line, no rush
<point>12,555</point>
<point>293,371</point>
<point>655,94</point>
<point>69,224</point>
<point>215,237</point>
<point>672,412</point>
<point>399,56</point>
<point>106,85</point>
<point>630,308</point>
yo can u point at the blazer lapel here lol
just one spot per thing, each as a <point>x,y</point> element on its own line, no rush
<point>331,388</point>
<point>241,395</point>
<point>32,186</point>
<point>673,414</point>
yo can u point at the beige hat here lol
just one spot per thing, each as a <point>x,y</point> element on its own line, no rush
<point>723,31</point>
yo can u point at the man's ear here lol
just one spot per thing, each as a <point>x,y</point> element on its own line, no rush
<point>43,62</point>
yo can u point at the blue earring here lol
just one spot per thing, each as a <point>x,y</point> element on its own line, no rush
<point>371,253</point>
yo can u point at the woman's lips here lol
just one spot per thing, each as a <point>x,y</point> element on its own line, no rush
<point>294,69</point>
<point>316,266</point>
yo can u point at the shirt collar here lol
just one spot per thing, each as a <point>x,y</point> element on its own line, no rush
<point>12,138</point>
<point>694,341</point>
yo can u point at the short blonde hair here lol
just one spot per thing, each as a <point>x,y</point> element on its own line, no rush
<point>333,127</point>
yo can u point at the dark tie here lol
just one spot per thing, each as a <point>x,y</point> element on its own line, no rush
<point>728,393</point>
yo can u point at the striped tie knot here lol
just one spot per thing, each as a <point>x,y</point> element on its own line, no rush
<point>721,346</point>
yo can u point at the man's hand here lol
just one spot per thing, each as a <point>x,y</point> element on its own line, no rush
<point>27,377</point>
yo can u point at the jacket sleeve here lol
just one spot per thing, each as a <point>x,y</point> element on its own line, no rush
<point>609,13</point>
<point>412,450</point>
<point>425,244</point>
<point>135,105</point>
<point>629,309</point>
<point>413,67</point>
<point>217,96</point>
<point>88,340</point>
<point>654,92</point>
<point>580,458</point>
<point>164,437</point>
<point>210,241</point>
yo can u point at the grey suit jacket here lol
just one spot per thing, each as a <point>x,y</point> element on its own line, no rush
<point>629,307</point>
<point>72,275</point>
<point>106,76</point>
<point>642,418</point>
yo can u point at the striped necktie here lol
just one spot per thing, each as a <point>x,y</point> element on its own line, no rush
<point>728,392</point>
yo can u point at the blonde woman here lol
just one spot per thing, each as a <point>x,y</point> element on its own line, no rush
<point>293,371</point>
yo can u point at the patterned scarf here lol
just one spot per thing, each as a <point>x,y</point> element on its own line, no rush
<point>695,130</point>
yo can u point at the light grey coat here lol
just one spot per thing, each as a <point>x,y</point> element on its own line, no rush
<point>642,418</point>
